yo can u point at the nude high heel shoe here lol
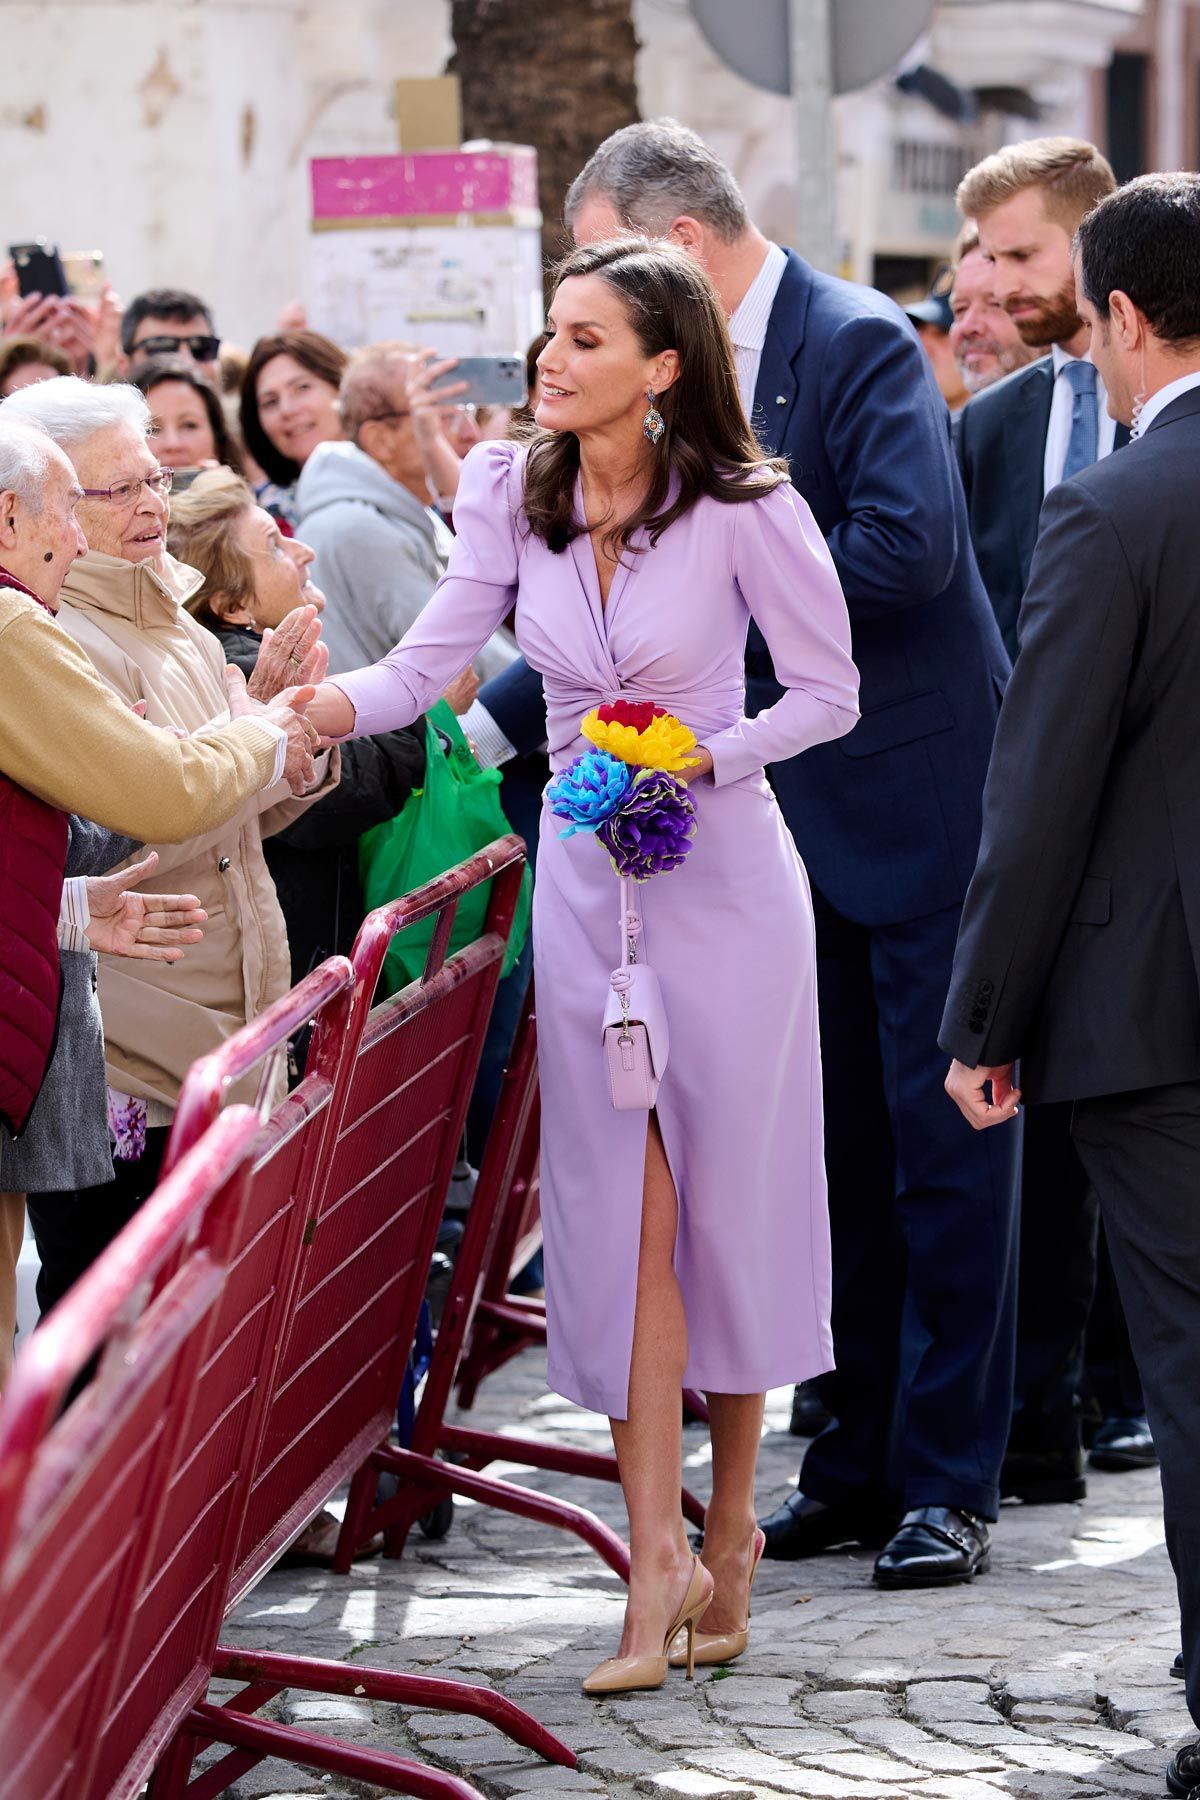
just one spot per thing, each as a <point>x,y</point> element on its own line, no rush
<point>715,1648</point>
<point>622,1674</point>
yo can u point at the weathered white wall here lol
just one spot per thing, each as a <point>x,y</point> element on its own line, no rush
<point>174,134</point>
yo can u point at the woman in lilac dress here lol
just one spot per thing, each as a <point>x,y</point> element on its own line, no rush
<point>687,1246</point>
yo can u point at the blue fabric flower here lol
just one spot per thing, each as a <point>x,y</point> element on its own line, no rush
<point>590,791</point>
<point>652,830</point>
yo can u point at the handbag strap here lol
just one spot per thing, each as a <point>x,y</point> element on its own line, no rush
<point>631,931</point>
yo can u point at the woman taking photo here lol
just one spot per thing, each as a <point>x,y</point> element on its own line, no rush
<point>637,536</point>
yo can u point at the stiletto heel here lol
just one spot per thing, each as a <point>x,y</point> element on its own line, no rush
<point>713,1649</point>
<point>622,1674</point>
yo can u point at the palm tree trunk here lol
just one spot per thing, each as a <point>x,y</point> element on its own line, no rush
<point>557,74</point>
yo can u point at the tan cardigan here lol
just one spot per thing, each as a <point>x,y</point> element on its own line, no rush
<point>66,737</point>
<point>158,1017</point>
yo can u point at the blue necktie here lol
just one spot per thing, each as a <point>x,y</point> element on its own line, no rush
<point>1085,421</point>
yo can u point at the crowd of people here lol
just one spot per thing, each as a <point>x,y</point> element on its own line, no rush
<point>919,590</point>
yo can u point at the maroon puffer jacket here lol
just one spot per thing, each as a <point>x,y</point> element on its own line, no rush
<point>33,854</point>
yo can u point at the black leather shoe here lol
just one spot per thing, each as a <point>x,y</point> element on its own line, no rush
<point>1183,1770</point>
<point>1043,1477</point>
<point>810,1415</point>
<point>804,1527</point>
<point>1122,1444</point>
<point>935,1546</point>
<point>1177,1668</point>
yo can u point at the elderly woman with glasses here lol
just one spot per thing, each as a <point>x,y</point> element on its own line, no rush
<point>125,603</point>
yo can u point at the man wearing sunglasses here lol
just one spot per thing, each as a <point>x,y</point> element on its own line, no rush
<point>168,322</point>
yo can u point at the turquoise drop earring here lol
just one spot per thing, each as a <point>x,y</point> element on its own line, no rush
<point>653,425</point>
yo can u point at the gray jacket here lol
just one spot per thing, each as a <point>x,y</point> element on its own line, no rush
<point>65,1143</point>
<point>380,553</point>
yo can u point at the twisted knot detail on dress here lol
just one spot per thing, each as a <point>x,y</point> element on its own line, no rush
<point>1085,418</point>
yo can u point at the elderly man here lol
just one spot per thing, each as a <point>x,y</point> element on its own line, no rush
<point>365,507</point>
<point>887,822</point>
<point>68,745</point>
<point>983,336</point>
<point>124,603</point>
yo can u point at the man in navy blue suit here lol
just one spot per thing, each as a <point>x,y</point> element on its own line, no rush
<point>887,821</point>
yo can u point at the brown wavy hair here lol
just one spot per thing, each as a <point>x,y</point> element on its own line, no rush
<point>320,356</point>
<point>708,444</point>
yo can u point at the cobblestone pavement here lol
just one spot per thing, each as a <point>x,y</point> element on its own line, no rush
<point>1048,1677</point>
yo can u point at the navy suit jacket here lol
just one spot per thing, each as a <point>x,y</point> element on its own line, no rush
<point>887,819</point>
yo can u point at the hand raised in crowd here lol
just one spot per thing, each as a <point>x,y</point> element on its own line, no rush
<point>428,409</point>
<point>292,655</point>
<point>287,711</point>
<point>149,927</point>
<point>966,1088</point>
<point>462,691</point>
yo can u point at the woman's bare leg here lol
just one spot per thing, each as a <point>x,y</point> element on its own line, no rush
<point>729,1520</point>
<point>649,1442</point>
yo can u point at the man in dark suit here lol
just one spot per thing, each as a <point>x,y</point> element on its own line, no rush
<point>1014,443</point>
<point>1079,952</point>
<point>887,821</point>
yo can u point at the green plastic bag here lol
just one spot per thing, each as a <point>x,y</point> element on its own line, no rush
<point>455,814</point>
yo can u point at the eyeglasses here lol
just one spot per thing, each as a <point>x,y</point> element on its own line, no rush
<point>385,418</point>
<point>204,349</point>
<point>124,493</point>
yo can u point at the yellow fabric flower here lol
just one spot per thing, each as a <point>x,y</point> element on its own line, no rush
<point>665,743</point>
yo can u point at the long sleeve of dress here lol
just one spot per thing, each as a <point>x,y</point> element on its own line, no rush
<point>787,579</point>
<point>68,738</point>
<point>470,601</point>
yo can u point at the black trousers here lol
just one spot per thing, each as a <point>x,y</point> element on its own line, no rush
<point>1142,1154</point>
<point>73,1226</point>
<point>1071,1334</point>
<point>923,1214</point>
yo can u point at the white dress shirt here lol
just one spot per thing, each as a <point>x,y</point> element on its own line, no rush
<point>1058,433</point>
<point>1156,403</point>
<point>748,322</point>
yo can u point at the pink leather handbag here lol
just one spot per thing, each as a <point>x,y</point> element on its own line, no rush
<point>636,1042</point>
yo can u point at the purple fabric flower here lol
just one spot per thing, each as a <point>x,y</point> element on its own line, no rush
<point>653,830</point>
<point>127,1126</point>
<point>590,791</point>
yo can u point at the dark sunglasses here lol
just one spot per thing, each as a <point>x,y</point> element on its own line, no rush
<point>204,349</point>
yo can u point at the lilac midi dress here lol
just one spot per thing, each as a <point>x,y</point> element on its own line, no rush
<point>729,934</point>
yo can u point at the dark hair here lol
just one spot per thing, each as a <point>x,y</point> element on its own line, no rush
<point>1145,241</point>
<point>172,368</point>
<point>707,444</point>
<point>20,352</point>
<point>320,356</point>
<point>161,303</point>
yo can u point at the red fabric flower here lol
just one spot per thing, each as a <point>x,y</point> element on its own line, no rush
<point>636,713</point>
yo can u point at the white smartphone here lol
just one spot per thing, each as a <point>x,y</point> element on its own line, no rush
<point>492,381</point>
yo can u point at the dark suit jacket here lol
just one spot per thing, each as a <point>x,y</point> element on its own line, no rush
<point>1000,442</point>
<point>1079,951</point>
<point>887,819</point>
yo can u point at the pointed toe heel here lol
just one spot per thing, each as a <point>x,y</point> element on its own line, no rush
<point>713,1649</point>
<point>626,1674</point>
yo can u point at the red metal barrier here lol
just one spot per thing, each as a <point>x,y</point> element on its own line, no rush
<point>501,1226</point>
<point>120,1522</point>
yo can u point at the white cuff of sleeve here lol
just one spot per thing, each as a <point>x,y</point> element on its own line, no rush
<point>480,729</point>
<point>74,914</point>
<point>280,736</point>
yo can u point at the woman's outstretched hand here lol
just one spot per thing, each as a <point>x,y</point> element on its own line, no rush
<point>331,713</point>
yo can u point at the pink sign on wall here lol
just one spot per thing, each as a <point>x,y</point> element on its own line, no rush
<point>438,182</point>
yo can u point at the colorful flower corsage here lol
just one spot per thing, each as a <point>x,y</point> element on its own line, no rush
<point>624,790</point>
